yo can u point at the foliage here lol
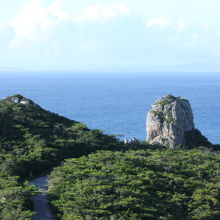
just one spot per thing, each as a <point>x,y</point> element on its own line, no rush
<point>170,118</point>
<point>163,102</point>
<point>141,184</point>
<point>159,114</point>
<point>15,198</point>
<point>195,138</point>
<point>32,140</point>
<point>162,118</point>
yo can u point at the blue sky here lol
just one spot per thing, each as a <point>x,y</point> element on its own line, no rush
<point>110,35</point>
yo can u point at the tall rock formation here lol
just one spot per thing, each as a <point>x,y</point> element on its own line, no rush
<point>170,122</point>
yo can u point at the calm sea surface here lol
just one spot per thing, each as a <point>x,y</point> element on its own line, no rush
<point>118,103</point>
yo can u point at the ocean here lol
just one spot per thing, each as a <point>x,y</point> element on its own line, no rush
<point>117,103</point>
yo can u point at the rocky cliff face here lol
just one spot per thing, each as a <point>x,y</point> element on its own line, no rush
<point>170,121</point>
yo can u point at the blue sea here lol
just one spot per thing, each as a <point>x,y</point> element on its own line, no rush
<point>117,103</point>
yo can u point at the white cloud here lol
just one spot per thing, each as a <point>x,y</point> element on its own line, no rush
<point>92,13</point>
<point>115,10</point>
<point>97,13</point>
<point>56,10</point>
<point>181,25</point>
<point>34,18</point>
<point>205,26</point>
<point>158,22</point>
<point>86,32</point>
<point>31,14</point>
<point>162,23</point>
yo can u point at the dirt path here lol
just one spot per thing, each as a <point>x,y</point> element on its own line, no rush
<point>41,206</point>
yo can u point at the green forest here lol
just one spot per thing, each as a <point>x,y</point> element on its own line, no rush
<point>97,176</point>
<point>32,141</point>
<point>141,184</point>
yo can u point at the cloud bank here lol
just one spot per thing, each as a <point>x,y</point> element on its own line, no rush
<point>107,34</point>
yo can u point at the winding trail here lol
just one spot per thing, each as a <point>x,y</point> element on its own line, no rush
<point>41,206</point>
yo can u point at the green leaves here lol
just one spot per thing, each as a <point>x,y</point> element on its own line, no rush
<point>146,184</point>
<point>32,140</point>
<point>15,198</point>
<point>205,203</point>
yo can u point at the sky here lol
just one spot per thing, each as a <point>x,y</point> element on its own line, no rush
<point>110,35</point>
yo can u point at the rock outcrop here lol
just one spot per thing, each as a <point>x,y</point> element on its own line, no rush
<point>19,99</point>
<point>131,140</point>
<point>170,122</point>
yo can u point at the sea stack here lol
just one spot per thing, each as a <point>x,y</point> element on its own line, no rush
<point>170,122</point>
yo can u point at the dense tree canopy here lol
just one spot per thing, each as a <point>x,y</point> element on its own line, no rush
<point>15,198</point>
<point>32,140</point>
<point>142,184</point>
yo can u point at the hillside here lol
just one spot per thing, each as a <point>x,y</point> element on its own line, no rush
<point>151,184</point>
<point>135,180</point>
<point>33,140</point>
